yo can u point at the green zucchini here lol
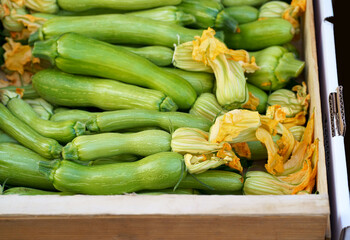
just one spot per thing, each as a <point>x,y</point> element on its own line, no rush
<point>108,61</point>
<point>169,14</point>
<point>242,14</point>
<point>206,13</point>
<point>32,192</point>
<point>114,159</point>
<point>118,29</point>
<point>42,108</point>
<point>158,171</point>
<point>4,138</point>
<point>126,119</point>
<point>19,166</point>
<point>125,5</point>
<point>72,114</point>
<point>259,94</point>
<point>216,180</point>
<point>90,147</point>
<point>168,191</point>
<point>202,82</point>
<point>277,68</point>
<point>260,34</point>
<point>230,3</point>
<point>159,55</point>
<point>70,90</point>
<point>63,131</point>
<point>28,137</point>
<point>207,107</point>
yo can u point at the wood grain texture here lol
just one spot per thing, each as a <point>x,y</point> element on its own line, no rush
<point>164,227</point>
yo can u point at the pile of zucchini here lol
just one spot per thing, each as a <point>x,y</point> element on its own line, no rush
<point>116,102</point>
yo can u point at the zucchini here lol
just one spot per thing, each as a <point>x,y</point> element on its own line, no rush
<point>118,29</point>
<point>19,166</point>
<point>169,14</point>
<point>113,159</point>
<point>28,137</point>
<point>230,3</point>
<point>32,192</point>
<point>70,90</point>
<point>159,55</point>
<point>242,14</point>
<point>4,138</point>
<point>202,82</point>
<point>108,61</point>
<point>72,114</point>
<point>168,191</point>
<point>216,180</point>
<point>158,171</point>
<point>90,147</point>
<point>261,34</point>
<point>125,5</point>
<point>258,97</point>
<point>206,13</point>
<point>277,68</point>
<point>126,119</point>
<point>63,131</point>
<point>42,108</point>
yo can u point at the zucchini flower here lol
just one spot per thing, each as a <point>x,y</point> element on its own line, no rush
<point>293,12</point>
<point>228,66</point>
<point>19,65</point>
<point>277,67</point>
<point>182,59</point>
<point>207,106</point>
<point>201,163</point>
<point>292,103</point>
<point>275,114</point>
<point>262,183</point>
<point>236,126</point>
<point>44,6</point>
<point>192,140</point>
<point>298,132</point>
<point>272,9</point>
<point>17,19</point>
<point>278,9</point>
<point>41,107</point>
<point>301,181</point>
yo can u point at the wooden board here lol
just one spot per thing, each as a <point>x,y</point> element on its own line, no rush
<point>177,216</point>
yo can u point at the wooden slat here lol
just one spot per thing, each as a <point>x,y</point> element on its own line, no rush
<point>164,227</point>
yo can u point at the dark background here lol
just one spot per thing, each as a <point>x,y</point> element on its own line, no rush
<point>341,21</point>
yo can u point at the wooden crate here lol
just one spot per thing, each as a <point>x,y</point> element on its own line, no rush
<point>176,216</point>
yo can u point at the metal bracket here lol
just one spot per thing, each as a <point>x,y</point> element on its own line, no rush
<point>337,112</point>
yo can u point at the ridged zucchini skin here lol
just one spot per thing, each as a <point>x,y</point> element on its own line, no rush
<point>242,14</point>
<point>159,55</point>
<point>26,191</point>
<point>125,5</point>
<point>105,60</point>
<point>202,82</point>
<point>19,166</point>
<point>262,95</point>
<point>216,180</point>
<point>90,147</point>
<point>63,131</point>
<point>127,119</point>
<point>28,137</point>
<point>72,90</point>
<point>4,138</point>
<point>158,171</point>
<point>118,29</point>
<point>72,114</point>
<point>260,34</point>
